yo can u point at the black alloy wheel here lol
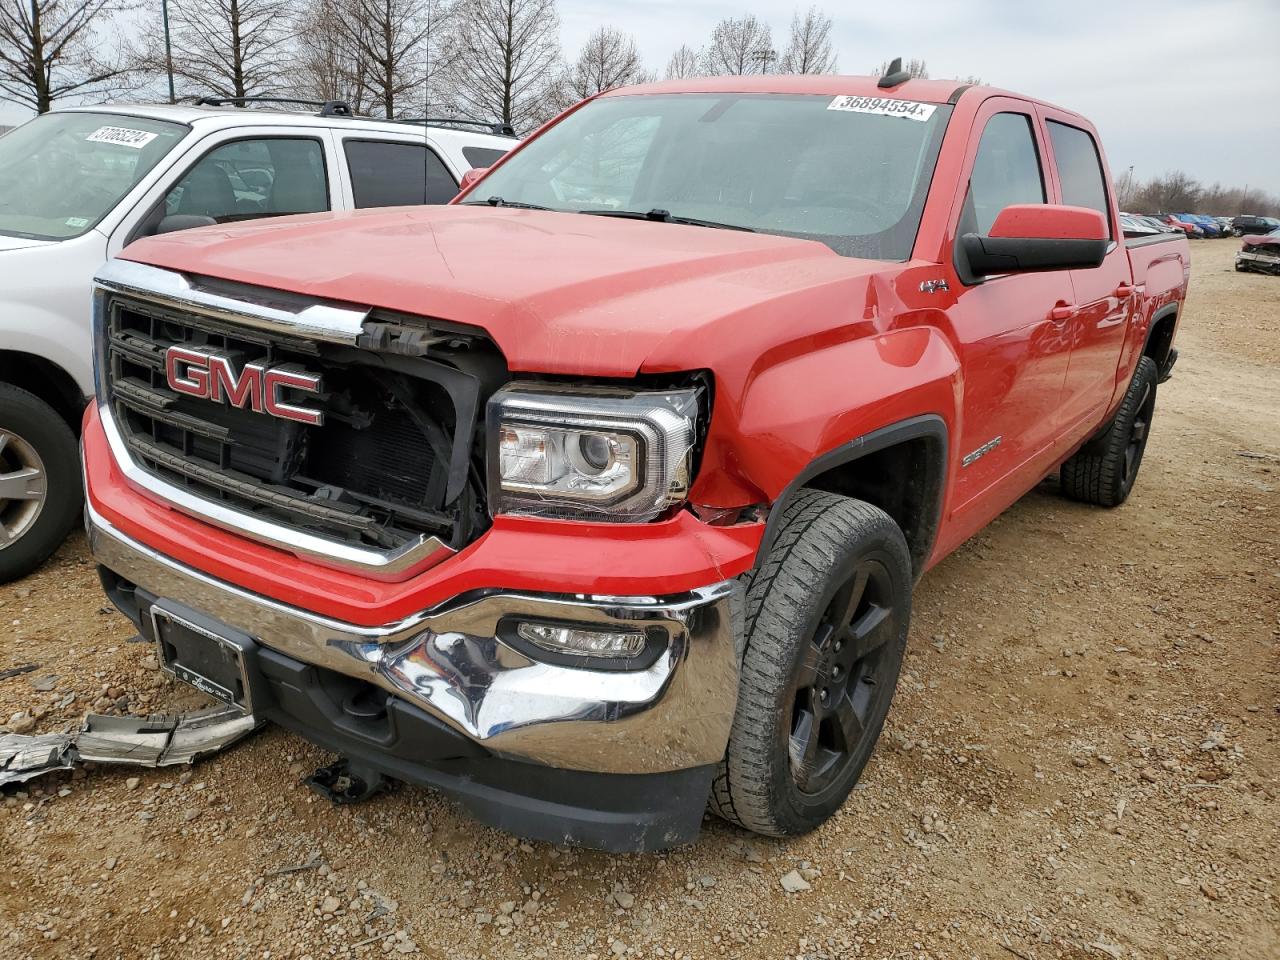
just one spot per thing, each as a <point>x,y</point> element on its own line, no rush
<point>827,615</point>
<point>845,672</point>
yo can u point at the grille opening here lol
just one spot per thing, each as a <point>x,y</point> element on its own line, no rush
<point>376,472</point>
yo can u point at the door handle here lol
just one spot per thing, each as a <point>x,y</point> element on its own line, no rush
<point>1124,291</point>
<point>1062,312</point>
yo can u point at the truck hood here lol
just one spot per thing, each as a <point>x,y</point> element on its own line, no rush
<point>559,293</point>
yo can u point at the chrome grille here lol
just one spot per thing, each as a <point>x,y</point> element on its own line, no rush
<point>373,474</point>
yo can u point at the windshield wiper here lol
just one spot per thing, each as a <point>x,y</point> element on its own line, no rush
<point>499,202</point>
<point>665,216</point>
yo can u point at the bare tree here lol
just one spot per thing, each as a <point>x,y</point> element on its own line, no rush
<point>608,59</point>
<point>916,69</point>
<point>685,62</point>
<point>739,45</point>
<point>330,63</point>
<point>52,49</point>
<point>506,60</point>
<point>809,48</point>
<point>393,39</point>
<point>1174,192</point>
<point>230,48</point>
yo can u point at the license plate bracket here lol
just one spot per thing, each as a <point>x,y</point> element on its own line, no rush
<point>208,655</point>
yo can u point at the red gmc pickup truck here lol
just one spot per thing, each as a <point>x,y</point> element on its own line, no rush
<point>599,496</point>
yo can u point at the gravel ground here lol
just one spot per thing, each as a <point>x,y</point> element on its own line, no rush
<point>1082,760</point>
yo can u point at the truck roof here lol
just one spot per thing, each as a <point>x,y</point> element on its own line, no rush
<point>211,117</point>
<point>926,91</point>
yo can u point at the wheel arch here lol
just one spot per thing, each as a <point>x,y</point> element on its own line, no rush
<point>871,468</point>
<point>1160,331</point>
<point>43,378</point>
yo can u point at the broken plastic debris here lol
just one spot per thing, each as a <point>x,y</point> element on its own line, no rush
<point>162,740</point>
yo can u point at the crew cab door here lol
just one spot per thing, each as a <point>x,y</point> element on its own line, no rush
<point>1103,296</point>
<point>1009,328</point>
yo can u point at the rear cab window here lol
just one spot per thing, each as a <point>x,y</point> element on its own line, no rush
<point>1079,169</point>
<point>389,174</point>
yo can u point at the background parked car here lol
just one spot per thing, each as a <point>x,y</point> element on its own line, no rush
<point>1206,224</point>
<point>1247,224</point>
<point>1186,226</point>
<point>76,186</point>
<point>1135,226</point>
<point>1155,223</point>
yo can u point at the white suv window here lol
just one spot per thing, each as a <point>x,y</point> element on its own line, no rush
<point>248,179</point>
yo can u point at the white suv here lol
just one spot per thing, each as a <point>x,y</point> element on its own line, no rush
<point>77,185</point>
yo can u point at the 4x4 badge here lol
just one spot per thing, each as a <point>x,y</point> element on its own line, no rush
<point>257,387</point>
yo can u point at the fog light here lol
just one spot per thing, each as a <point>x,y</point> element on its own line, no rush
<point>582,643</point>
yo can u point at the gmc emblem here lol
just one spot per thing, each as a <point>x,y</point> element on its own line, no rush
<point>257,387</point>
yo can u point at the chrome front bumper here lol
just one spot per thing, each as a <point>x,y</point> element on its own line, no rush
<point>672,715</point>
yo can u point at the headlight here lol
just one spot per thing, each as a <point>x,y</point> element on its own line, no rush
<point>607,454</point>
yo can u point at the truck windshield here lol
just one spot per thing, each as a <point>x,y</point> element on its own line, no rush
<point>63,172</point>
<point>850,172</point>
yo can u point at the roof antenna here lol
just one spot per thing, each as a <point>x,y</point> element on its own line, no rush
<point>426,112</point>
<point>894,75</point>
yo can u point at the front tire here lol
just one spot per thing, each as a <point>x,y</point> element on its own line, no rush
<point>827,616</point>
<point>1104,470</point>
<point>40,494</point>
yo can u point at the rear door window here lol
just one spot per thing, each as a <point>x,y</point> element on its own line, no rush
<point>397,174</point>
<point>1079,169</point>
<point>1006,171</point>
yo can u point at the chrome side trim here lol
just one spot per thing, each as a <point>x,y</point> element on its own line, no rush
<point>413,557</point>
<point>448,661</point>
<point>320,321</point>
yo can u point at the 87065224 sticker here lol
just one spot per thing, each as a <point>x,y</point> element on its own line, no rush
<point>121,137</point>
<point>884,107</point>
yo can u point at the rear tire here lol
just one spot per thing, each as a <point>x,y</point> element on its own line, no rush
<point>1104,470</point>
<point>40,492</point>
<point>827,616</point>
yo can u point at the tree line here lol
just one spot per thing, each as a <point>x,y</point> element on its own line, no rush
<point>498,60</point>
<point>1179,192</point>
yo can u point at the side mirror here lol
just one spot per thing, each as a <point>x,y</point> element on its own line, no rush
<point>183,221</point>
<point>1038,236</point>
<point>471,176</point>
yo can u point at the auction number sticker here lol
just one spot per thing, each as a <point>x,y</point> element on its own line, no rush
<point>881,106</point>
<point>121,136</point>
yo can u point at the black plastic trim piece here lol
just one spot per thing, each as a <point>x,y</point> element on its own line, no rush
<point>958,92</point>
<point>614,812</point>
<point>990,256</point>
<point>328,108</point>
<point>927,426</point>
<point>894,76</point>
<point>1169,310</point>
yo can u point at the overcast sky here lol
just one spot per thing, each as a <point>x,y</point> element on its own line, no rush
<point>1186,84</point>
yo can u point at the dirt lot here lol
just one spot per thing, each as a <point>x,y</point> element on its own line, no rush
<point>1083,760</point>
